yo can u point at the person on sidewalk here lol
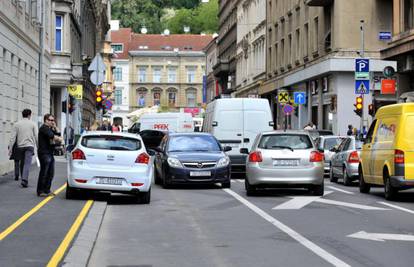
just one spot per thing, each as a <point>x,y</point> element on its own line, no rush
<point>49,137</point>
<point>25,138</point>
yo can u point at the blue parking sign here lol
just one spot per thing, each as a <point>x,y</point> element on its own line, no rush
<point>361,65</point>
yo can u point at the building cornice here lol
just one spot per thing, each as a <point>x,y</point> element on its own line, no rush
<point>167,53</point>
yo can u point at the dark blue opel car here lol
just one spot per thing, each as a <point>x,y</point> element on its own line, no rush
<point>197,158</point>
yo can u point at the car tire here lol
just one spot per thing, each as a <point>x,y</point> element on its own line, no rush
<point>346,178</point>
<point>318,190</point>
<point>332,177</point>
<point>389,191</point>
<point>145,197</point>
<point>363,187</point>
<point>71,193</point>
<point>251,190</point>
<point>226,185</point>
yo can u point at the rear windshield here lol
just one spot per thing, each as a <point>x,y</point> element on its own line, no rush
<point>331,142</point>
<point>186,143</point>
<point>288,141</point>
<point>111,142</point>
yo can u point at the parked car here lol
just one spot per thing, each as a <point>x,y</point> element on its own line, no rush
<point>197,158</point>
<point>345,161</point>
<point>152,138</point>
<point>284,159</point>
<point>111,162</point>
<point>325,144</point>
<point>387,157</point>
<point>236,122</point>
<point>314,134</point>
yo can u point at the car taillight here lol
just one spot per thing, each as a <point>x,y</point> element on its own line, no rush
<point>255,156</point>
<point>398,156</point>
<point>78,154</point>
<point>316,156</point>
<point>353,157</point>
<point>143,158</point>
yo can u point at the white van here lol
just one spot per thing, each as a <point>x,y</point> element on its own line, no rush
<point>236,122</point>
<point>174,122</point>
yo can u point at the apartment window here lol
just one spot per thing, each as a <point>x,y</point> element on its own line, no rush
<point>297,44</point>
<point>156,95</point>
<point>172,95</point>
<point>118,48</point>
<point>118,74</point>
<point>118,96</point>
<point>315,35</point>
<point>191,95</point>
<point>290,49</point>
<point>156,78</point>
<point>142,75</point>
<point>408,14</point>
<point>141,97</point>
<point>191,74</point>
<point>276,61</point>
<point>58,33</point>
<point>306,41</point>
<point>282,52</point>
<point>172,75</point>
<point>270,67</point>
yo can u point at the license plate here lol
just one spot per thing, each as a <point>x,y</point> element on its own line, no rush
<point>231,145</point>
<point>111,181</point>
<point>285,162</point>
<point>205,173</point>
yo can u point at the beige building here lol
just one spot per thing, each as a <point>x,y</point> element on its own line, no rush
<point>166,70</point>
<point>251,47</point>
<point>311,48</point>
<point>401,48</point>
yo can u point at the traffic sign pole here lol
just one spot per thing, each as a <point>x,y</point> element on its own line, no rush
<point>362,55</point>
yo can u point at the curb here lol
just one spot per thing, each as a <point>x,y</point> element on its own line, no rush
<point>83,245</point>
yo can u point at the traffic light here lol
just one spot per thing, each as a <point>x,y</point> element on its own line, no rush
<point>98,98</point>
<point>371,110</point>
<point>359,106</point>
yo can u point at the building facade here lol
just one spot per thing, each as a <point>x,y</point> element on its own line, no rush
<point>251,47</point>
<point>20,51</point>
<point>225,69</point>
<point>78,33</point>
<point>312,46</point>
<point>212,83</point>
<point>167,71</point>
<point>401,49</point>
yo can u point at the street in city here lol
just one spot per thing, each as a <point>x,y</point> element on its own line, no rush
<point>210,226</point>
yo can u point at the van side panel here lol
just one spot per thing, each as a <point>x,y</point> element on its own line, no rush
<point>257,116</point>
<point>406,143</point>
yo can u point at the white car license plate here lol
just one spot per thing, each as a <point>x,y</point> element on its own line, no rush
<point>285,162</point>
<point>204,173</point>
<point>107,180</point>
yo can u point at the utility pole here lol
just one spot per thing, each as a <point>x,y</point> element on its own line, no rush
<point>362,53</point>
<point>41,55</point>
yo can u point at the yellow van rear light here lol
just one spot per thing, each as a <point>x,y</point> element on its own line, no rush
<point>399,156</point>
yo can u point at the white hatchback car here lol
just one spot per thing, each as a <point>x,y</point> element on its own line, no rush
<point>110,162</point>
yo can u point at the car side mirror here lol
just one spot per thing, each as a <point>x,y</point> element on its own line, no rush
<point>227,148</point>
<point>157,149</point>
<point>244,151</point>
<point>151,152</point>
<point>214,124</point>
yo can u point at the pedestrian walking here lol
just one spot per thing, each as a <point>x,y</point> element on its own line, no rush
<point>24,140</point>
<point>350,130</point>
<point>49,137</point>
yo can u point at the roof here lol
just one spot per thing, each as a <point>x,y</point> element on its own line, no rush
<point>158,42</point>
<point>122,36</point>
<point>395,109</point>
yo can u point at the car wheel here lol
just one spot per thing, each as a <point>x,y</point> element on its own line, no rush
<point>332,177</point>
<point>145,197</point>
<point>346,178</point>
<point>318,190</point>
<point>390,191</point>
<point>250,189</point>
<point>363,187</point>
<point>226,185</point>
<point>71,193</point>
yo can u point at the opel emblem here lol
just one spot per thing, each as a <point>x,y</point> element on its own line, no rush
<point>200,165</point>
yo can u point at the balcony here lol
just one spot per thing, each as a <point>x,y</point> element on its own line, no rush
<point>318,2</point>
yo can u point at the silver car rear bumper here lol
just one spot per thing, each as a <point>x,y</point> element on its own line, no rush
<point>285,176</point>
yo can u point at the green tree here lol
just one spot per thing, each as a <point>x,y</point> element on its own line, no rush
<point>183,17</point>
<point>206,17</point>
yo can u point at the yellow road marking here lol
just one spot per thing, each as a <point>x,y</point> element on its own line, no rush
<point>22,219</point>
<point>60,252</point>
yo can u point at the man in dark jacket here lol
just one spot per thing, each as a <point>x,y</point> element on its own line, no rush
<point>49,136</point>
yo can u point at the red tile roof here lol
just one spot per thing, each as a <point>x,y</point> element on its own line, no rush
<point>122,36</point>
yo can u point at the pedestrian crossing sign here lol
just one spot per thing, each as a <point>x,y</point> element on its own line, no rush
<point>361,87</point>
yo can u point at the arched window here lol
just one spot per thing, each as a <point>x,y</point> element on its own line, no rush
<point>156,96</point>
<point>172,97</point>
<point>191,96</point>
<point>141,96</point>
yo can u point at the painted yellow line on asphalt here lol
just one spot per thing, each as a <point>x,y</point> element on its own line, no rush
<point>22,219</point>
<point>60,252</point>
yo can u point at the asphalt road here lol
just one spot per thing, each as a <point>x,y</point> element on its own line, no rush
<point>209,226</point>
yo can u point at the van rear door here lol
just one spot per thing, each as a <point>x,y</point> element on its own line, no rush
<point>257,118</point>
<point>229,129</point>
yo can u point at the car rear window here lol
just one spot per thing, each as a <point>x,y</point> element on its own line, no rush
<point>331,142</point>
<point>290,141</point>
<point>111,142</point>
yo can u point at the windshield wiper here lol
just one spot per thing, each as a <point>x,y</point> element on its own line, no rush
<point>283,147</point>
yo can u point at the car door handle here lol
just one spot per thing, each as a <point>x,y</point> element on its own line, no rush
<point>239,134</point>
<point>246,140</point>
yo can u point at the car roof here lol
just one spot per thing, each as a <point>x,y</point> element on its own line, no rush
<point>95,133</point>
<point>286,132</point>
<point>190,134</point>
